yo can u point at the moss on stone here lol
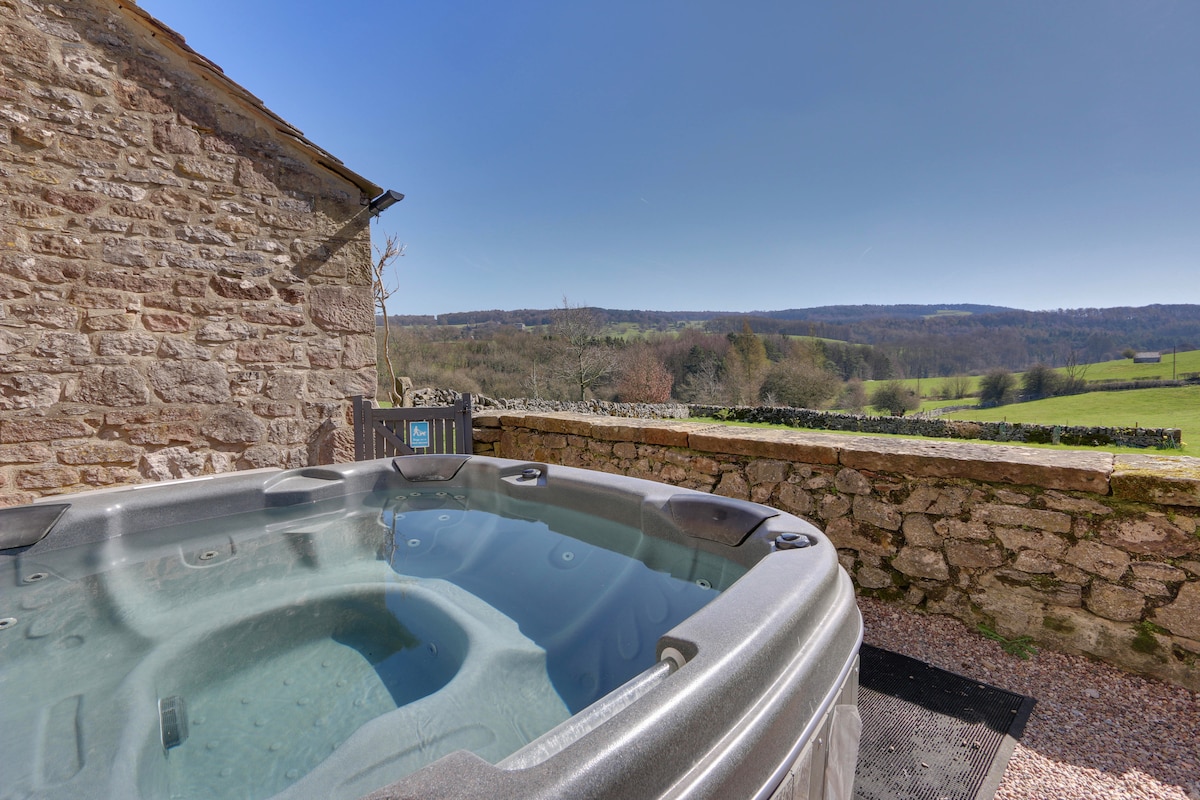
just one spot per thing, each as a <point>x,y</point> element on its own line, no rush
<point>1145,640</point>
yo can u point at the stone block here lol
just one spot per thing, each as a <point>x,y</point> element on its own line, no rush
<point>100,298</point>
<point>1035,563</point>
<point>262,455</point>
<point>793,499</point>
<point>96,322</point>
<point>111,386</point>
<point>873,578</point>
<point>874,512</point>
<point>107,476</point>
<point>47,315</point>
<point>358,352</point>
<point>832,506</point>
<point>764,443</point>
<point>14,431</point>
<point>941,501</point>
<point>1164,480</point>
<point>620,449</point>
<point>918,530</point>
<point>166,433</point>
<point>958,529</point>
<point>234,426</point>
<point>921,562</point>
<point>1016,539</point>
<point>1152,535</point>
<point>342,308</point>
<point>227,331</point>
<point>99,453</point>
<point>1019,516</point>
<point>732,484</point>
<point>79,203</point>
<point>190,382</point>
<point>338,384</point>
<point>766,471</point>
<point>1012,498</point>
<point>673,474</point>
<point>1182,617</point>
<point>1156,571</point>
<point>269,351</point>
<point>25,390</point>
<point>1021,466</point>
<point>57,244</point>
<point>1057,501</point>
<point>1100,559</point>
<point>243,288</point>
<point>126,344</point>
<point>179,347</point>
<point>35,478</point>
<point>174,462</point>
<point>974,555</point>
<point>29,453</point>
<point>162,322</point>
<point>851,481</point>
<point>170,137</point>
<point>1115,602</point>
<point>867,541</point>
<point>1150,589</point>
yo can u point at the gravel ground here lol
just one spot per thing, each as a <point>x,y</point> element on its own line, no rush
<point>1096,731</point>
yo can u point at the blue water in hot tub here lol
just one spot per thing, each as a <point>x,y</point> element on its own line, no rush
<point>578,586</point>
<point>306,644</point>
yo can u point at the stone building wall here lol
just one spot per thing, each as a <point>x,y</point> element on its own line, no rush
<point>1085,552</point>
<point>184,279</point>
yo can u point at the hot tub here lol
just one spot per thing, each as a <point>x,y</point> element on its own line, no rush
<point>422,627</point>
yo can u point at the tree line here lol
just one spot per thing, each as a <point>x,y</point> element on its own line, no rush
<point>881,342</point>
<point>572,353</point>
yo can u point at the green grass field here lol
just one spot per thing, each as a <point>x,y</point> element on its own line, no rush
<point>1122,369</point>
<point>1125,370</point>
<point>1147,408</point>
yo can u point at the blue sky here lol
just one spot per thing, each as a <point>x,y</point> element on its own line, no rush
<point>740,156</point>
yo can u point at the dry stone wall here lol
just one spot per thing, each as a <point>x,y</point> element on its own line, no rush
<point>1074,435</point>
<point>184,288</point>
<point>1085,552</point>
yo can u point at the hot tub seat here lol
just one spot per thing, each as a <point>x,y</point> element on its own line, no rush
<point>448,667</point>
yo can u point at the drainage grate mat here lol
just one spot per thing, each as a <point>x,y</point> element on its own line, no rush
<point>929,734</point>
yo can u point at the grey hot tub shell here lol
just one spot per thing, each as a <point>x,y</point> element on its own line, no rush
<point>752,696</point>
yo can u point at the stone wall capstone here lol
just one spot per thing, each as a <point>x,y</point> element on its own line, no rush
<point>184,280</point>
<point>1087,552</point>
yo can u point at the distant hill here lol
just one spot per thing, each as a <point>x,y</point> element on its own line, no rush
<point>926,340</point>
<point>845,314</point>
<point>835,314</point>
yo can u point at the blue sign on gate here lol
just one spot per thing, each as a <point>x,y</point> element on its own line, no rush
<point>418,434</point>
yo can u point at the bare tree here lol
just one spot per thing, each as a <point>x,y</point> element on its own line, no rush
<point>643,377</point>
<point>704,385</point>
<point>1075,371</point>
<point>586,358</point>
<point>383,289</point>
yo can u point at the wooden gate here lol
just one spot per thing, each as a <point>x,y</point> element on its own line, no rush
<point>382,432</point>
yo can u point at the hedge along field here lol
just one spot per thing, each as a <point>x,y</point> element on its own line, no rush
<point>1148,408</point>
